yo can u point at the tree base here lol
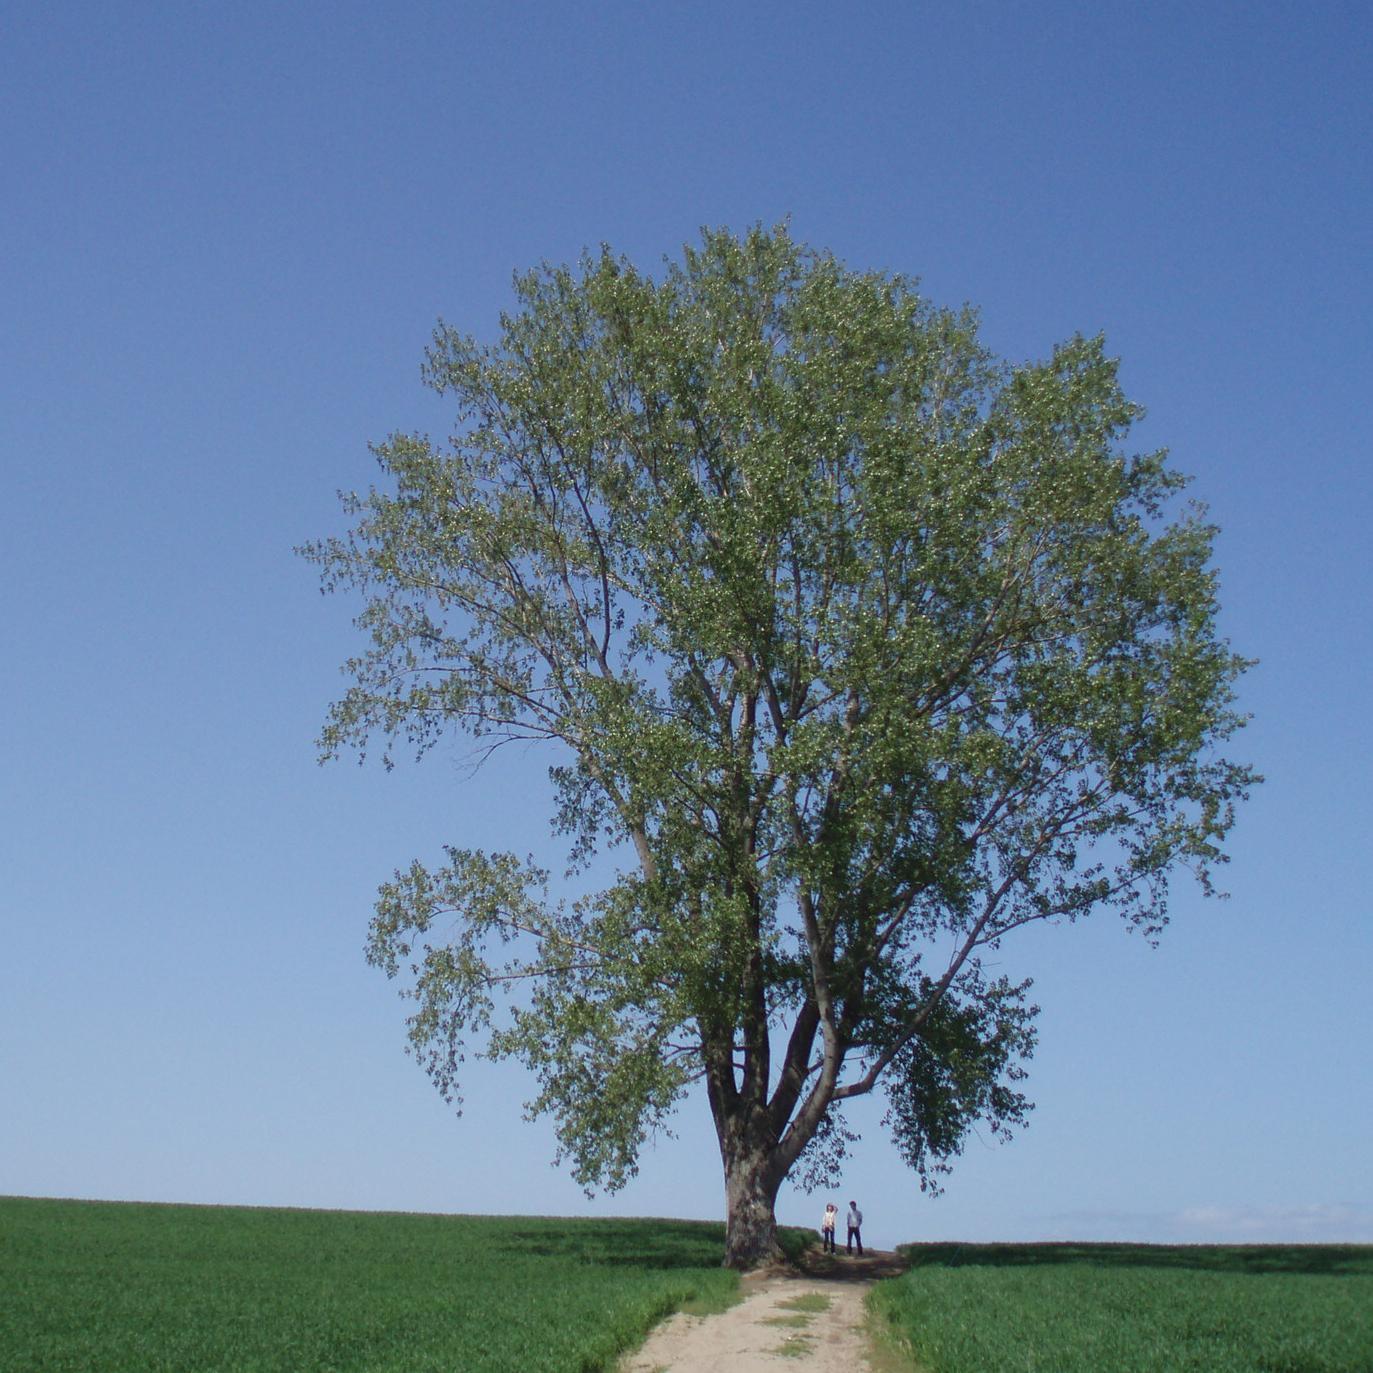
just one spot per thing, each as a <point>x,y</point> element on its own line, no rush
<point>751,1226</point>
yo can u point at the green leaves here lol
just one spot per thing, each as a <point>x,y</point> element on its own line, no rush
<point>862,641</point>
<point>961,1069</point>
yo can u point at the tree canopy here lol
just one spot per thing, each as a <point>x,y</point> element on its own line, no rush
<point>868,647</point>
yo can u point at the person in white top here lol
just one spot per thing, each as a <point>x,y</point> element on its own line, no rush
<point>855,1220</point>
<point>827,1224</point>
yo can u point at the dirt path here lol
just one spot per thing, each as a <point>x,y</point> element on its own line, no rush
<point>779,1324</point>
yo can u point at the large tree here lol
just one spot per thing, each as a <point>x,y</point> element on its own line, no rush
<point>868,648</point>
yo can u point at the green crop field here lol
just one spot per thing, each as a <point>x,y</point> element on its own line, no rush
<point>136,1289</point>
<point>1133,1309</point>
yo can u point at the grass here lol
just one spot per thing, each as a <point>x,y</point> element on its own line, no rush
<point>802,1311</point>
<point>1133,1309</point>
<point>129,1288</point>
<point>807,1301</point>
<point>156,1289</point>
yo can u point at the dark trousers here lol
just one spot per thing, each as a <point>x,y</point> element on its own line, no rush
<point>855,1237</point>
<point>828,1246</point>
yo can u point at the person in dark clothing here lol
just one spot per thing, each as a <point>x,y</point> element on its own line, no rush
<point>855,1226</point>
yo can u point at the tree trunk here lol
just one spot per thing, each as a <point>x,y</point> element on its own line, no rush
<point>750,1202</point>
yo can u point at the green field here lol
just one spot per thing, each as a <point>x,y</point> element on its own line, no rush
<point>1114,1308</point>
<point>136,1289</point>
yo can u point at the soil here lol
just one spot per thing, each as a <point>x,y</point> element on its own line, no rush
<point>764,1334</point>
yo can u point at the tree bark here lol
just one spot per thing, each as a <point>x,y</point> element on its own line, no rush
<point>753,1166</point>
<point>750,1210</point>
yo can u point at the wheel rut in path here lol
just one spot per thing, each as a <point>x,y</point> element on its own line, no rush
<point>772,1329</point>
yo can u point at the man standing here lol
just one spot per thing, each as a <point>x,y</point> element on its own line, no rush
<point>855,1220</point>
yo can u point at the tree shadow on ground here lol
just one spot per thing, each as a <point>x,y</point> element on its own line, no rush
<point>874,1264</point>
<point>1328,1260</point>
<point>619,1242</point>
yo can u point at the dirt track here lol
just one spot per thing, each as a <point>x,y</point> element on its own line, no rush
<point>763,1333</point>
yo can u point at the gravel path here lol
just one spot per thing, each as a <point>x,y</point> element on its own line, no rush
<point>772,1328</point>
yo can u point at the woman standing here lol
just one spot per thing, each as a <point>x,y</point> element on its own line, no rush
<point>827,1227</point>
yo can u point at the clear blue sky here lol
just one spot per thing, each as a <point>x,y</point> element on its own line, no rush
<point>227,232</point>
